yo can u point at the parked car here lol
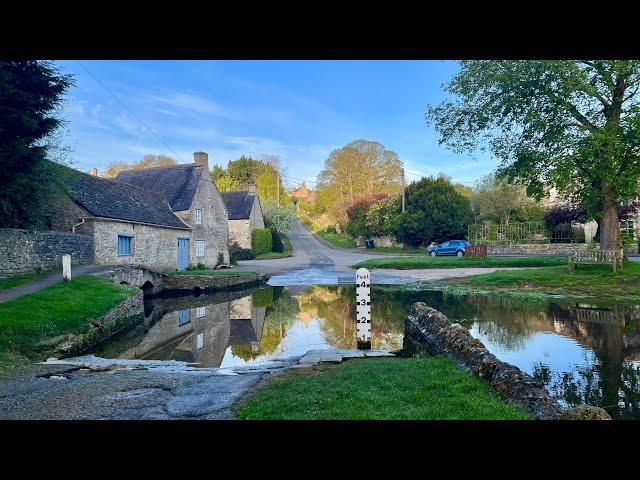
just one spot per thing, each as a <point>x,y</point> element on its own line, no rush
<point>452,247</point>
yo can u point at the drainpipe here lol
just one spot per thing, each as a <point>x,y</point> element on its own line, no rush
<point>73,229</point>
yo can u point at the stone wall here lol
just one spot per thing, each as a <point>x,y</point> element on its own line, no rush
<point>428,331</point>
<point>386,241</point>
<point>152,247</point>
<point>240,232</point>
<point>547,248</point>
<point>23,251</point>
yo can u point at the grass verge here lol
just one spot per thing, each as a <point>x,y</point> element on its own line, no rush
<point>425,261</point>
<point>587,280</point>
<point>57,310</point>
<point>213,273</point>
<point>11,282</point>
<point>341,241</point>
<point>379,389</point>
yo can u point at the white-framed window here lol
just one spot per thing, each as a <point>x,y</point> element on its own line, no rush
<point>200,341</point>
<point>200,312</point>
<point>198,216</point>
<point>199,248</point>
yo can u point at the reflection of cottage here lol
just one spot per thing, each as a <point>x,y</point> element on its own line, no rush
<point>303,193</point>
<point>129,225</point>
<point>193,196</point>
<point>247,323</point>
<point>245,215</point>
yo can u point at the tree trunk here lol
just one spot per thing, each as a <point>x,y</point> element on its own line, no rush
<point>609,223</point>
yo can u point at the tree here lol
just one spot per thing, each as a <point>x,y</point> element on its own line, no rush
<point>265,173</point>
<point>496,199</point>
<point>435,212</point>
<point>30,94</point>
<point>383,216</point>
<point>148,161</point>
<point>574,125</point>
<point>357,212</point>
<point>281,219</point>
<point>355,171</point>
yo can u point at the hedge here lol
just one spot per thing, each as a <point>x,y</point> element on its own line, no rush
<point>236,252</point>
<point>276,242</point>
<point>261,240</point>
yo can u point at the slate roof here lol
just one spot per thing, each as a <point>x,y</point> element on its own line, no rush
<point>109,199</point>
<point>239,204</point>
<point>177,183</point>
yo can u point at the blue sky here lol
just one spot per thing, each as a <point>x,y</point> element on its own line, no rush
<point>299,110</point>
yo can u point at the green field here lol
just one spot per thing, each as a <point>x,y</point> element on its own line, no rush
<point>589,280</point>
<point>425,261</point>
<point>59,309</point>
<point>379,389</point>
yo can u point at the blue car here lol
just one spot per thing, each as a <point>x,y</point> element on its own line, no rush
<point>452,247</point>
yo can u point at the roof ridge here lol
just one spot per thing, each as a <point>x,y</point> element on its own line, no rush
<point>181,165</point>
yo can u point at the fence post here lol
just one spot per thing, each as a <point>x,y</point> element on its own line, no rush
<point>66,267</point>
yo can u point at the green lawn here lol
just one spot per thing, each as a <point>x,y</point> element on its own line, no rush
<point>214,273</point>
<point>591,280</point>
<point>337,240</point>
<point>20,279</point>
<point>59,309</point>
<point>379,389</point>
<point>409,250</point>
<point>425,261</point>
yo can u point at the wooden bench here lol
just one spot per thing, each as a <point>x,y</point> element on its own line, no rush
<point>597,257</point>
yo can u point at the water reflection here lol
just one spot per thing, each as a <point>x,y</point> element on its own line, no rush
<point>583,353</point>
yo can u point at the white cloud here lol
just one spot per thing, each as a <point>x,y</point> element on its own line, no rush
<point>179,102</point>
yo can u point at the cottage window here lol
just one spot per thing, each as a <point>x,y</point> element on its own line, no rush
<point>200,312</point>
<point>198,216</point>
<point>124,244</point>
<point>199,248</point>
<point>183,317</point>
<point>200,341</point>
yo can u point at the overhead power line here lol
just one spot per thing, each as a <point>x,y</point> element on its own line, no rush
<point>131,112</point>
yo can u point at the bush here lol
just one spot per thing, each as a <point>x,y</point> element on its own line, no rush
<point>236,252</point>
<point>261,241</point>
<point>262,297</point>
<point>276,242</point>
<point>220,258</point>
<point>626,238</point>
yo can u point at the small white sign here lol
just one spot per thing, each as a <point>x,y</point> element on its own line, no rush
<point>363,308</point>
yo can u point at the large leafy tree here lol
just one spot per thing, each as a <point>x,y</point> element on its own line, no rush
<point>356,171</point>
<point>574,125</point>
<point>435,212</point>
<point>148,161</point>
<point>30,94</point>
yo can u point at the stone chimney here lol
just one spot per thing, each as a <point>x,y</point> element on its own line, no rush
<point>201,159</point>
<point>94,171</point>
<point>252,188</point>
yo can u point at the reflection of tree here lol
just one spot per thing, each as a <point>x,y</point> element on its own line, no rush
<point>280,316</point>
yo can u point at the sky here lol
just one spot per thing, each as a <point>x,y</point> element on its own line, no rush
<point>298,110</point>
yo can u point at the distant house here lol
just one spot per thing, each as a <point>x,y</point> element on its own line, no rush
<point>303,193</point>
<point>129,225</point>
<point>245,214</point>
<point>194,198</point>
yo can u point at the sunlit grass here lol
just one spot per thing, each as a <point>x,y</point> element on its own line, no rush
<point>425,261</point>
<point>59,309</point>
<point>377,389</point>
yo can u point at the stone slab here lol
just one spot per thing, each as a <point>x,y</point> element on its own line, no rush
<point>331,358</point>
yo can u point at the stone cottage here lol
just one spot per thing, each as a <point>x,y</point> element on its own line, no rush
<point>245,215</point>
<point>129,225</point>
<point>194,198</point>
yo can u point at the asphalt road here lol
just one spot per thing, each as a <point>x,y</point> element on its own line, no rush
<point>314,263</point>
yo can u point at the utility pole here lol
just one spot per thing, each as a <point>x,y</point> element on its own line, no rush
<point>404,243</point>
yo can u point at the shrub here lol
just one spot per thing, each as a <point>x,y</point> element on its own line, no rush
<point>220,258</point>
<point>276,242</point>
<point>261,240</point>
<point>201,266</point>
<point>236,252</point>
<point>626,238</point>
<point>262,297</point>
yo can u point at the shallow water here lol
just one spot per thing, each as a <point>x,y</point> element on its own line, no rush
<point>582,352</point>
